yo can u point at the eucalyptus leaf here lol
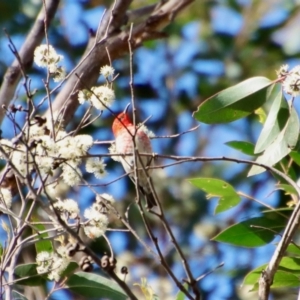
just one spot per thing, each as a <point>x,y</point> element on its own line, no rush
<point>234,102</point>
<point>228,197</point>
<point>281,146</point>
<point>254,232</point>
<point>93,285</point>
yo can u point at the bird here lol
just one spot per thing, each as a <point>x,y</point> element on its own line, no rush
<point>124,131</point>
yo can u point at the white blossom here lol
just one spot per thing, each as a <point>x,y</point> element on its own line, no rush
<point>51,263</point>
<point>93,232</point>
<point>58,74</point>
<point>60,135</point>
<point>96,166</point>
<point>62,250</point>
<point>21,160</point>
<point>58,266</point>
<point>107,197</point>
<point>37,130</point>
<point>44,261</point>
<point>97,223</point>
<point>107,71</point>
<point>45,55</point>
<point>84,95</point>
<point>73,148</point>
<point>46,146</point>
<point>71,176</point>
<point>102,97</point>
<point>84,142</point>
<point>282,71</point>
<point>291,83</point>
<point>68,207</point>
<point>45,165</point>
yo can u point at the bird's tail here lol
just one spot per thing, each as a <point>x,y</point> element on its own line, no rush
<point>150,200</point>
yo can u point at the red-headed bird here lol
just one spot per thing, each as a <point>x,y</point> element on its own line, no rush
<point>124,130</point>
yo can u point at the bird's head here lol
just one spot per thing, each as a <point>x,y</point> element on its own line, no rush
<point>122,120</point>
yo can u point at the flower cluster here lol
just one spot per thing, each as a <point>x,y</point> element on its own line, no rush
<point>291,80</point>
<point>107,72</point>
<point>100,97</point>
<point>45,154</point>
<point>67,208</point>
<point>51,263</point>
<point>45,56</point>
<point>96,166</point>
<point>97,220</point>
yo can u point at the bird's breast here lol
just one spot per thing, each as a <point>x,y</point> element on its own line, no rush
<point>125,145</point>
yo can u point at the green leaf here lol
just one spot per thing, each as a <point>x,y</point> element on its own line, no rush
<point>181,295</point>
<point>281,279</point>
<point>296,157</point>
<point>44,244</point>
<point>261,115</point>
<point>220,189</point>
<point>28,271</point>
<point>253,276</point>
<point>93,285</point>
<point>254,232</point>
<point>281,146</point>
<point>290,263</point>
<point>293,249</point>
<point>242,146</point>
<point>234,102</point>
<point>289,190</point>
<point>285,279</point>
<point>276,120</point>
<point>286,275</point>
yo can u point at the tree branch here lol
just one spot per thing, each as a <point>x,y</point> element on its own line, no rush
<point>34,38</point>
<point>117,45</point>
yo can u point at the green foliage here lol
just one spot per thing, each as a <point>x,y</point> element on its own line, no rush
<point>293,249</point>
<point>93,285</point>
<point>296,157</point>
<point>235,102</point>
<point>279,135</point>
<point>44,244</point>
<point>289,190</point>
<point>254,232</point>
<point>228,197</point>
<point>275,122</point>
<point>286,276</point>
<point>242,146</point>
<point>250,53</point>
<point>30,275</point>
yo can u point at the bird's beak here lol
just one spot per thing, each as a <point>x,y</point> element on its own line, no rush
<point>126,108</point>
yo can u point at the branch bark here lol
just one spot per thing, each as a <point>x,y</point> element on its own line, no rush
<point>268,274</point>
<point>115,43</point>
